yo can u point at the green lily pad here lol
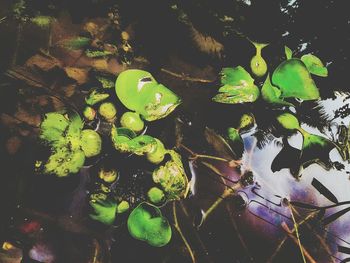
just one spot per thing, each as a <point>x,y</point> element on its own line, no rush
<point>90,142</point>
<point>238,87</point>
<point>314,65</point>
<point>146,223</point>
<point>271,94</point>
<point>294,80</point>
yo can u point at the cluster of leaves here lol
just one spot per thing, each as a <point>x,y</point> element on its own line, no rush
<point>69,143</point>
<point>290,80</point>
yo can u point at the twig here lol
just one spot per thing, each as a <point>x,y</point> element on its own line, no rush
<point>233,222</point>
<point>195,156</point>
<point>297,234</point>
<point>184,77</point>
<point>297,241</point>
<point>177,227</point>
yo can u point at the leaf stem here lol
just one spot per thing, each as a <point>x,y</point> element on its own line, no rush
<point>177,227</point>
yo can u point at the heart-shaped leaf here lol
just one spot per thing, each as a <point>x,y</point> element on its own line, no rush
<point>294,80</point>
<point>146,223</point>
<point>314,65</point>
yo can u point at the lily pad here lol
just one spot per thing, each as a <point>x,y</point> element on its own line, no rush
<point>314,65</point>
<point>146,223</point>
<point>238,87</point>
<point>294,80</point>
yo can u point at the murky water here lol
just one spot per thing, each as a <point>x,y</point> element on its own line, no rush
<point>250,225</point>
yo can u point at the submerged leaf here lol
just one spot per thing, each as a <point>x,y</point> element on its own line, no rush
<point>294,80</point>
<point>288,158</point>
<point>222,148</point>
<point>335,216</point>
<point>324,190</point>
<point>104,211</point>
<point>314,65</point>
<point>75,43</point>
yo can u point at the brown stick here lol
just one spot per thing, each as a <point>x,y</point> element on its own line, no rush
<point>295,240</point>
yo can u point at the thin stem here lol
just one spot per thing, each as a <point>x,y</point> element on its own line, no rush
<point>296,241</point>
<point>297,234</point>
<point>177,227</point>
<point>195,156</point>
<point>228,192</point>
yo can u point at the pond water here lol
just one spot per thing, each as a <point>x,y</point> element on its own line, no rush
<point>266,198</point>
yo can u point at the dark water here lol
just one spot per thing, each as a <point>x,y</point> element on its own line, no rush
<point>231,234</point>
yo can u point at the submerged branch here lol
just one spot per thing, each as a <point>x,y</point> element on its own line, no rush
<point>177,227</point>
<point>183,76</point>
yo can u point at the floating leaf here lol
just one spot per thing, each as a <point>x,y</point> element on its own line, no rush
<point>271,94</point>
<point>64,162</point>
<point>125,140</point>
<point>146,223</point>
<point>324,190</point>
<point>288,52</point>
<point>53,127</point>
<point>314,65</point>
<point>90,142</point>
<point>95,97</point>
<point>172,177</point>
<point>257,63</point>
<point>294,80</point>
<point>238,87</point>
